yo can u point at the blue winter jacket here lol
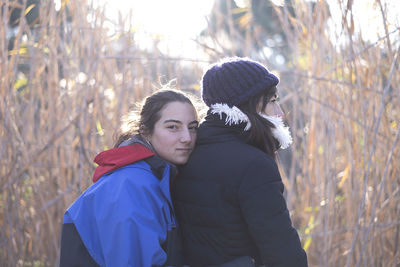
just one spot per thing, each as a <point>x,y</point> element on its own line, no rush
<point>123,219</point>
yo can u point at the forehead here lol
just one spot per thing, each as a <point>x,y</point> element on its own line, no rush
<point>180,111</point>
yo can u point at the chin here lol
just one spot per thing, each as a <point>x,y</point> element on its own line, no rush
<point>180,161</point>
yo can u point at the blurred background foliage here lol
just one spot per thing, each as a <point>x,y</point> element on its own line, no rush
<point>68,73</point>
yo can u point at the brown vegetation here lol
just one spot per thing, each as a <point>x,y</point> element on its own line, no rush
<point>64,87</point>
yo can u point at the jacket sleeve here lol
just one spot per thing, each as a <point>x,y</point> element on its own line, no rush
<point>73,252</point>
<point>127,224</point>
<point>264,209</point>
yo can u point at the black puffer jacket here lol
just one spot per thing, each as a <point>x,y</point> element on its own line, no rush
<point>229,202</point>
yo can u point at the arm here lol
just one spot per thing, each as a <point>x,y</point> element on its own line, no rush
<point>137,236</point>
<point>264,209</point>
<point>130,221</point>
<point>73,252</point>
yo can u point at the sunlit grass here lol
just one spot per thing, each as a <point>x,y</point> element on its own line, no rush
<point>67,81</point>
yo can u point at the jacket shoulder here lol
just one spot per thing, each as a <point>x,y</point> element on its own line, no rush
<point>120,203</point>
<point>243,154</point>
<point>135,173</point>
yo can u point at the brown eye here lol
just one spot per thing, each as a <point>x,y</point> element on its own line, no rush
<point>172,127</point>
<point>275,98</point>
<point>193,128</point>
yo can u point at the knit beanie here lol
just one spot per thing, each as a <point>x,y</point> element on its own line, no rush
<point>235,80</point>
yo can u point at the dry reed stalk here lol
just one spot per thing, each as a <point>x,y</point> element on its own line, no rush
<point>353,145</point>
<point>63,91</point>
<point>64,88</point>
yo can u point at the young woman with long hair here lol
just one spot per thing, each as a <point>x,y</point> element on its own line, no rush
<point>229,196</point>
<point>126,217</point>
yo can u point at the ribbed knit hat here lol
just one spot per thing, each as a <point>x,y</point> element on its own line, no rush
<point>235,80</point>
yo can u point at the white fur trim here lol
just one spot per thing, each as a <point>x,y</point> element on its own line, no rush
<point>233,114</point>
<point>280,132</point>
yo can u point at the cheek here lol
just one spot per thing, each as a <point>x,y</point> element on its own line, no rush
<point>194,136</point>
<point>156,138</point>
<point>269,109</point>
<point>273,109</point>
<point>164,141</point>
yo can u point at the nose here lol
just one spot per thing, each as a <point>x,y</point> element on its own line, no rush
<point>278,111</point>
<point>186,137</point>
<point>274,109</point>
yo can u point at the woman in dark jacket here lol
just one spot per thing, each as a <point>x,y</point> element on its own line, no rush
<point>229,196</point>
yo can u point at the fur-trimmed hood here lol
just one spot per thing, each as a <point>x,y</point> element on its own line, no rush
<point>234,116</point>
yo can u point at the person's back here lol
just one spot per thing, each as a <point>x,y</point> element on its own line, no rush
<point>229,200</point>
<point>217,202</point>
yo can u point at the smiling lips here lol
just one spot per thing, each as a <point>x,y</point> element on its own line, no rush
<point>187,150</point>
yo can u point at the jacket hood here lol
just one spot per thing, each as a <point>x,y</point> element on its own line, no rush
<point>130,151</point>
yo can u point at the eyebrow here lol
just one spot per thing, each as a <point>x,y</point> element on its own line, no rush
<point>177,121</point>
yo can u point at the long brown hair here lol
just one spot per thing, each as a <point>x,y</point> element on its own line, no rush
<point>142,120</point>
<point>260,133</point>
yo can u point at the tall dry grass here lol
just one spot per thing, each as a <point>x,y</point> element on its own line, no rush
<point>345,113</point>
<point>64,87</point>
<point>342,101</point>
<point>66,83</point>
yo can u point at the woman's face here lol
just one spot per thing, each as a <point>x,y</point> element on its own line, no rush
<point>273,108</point>
<point>174,134</point>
